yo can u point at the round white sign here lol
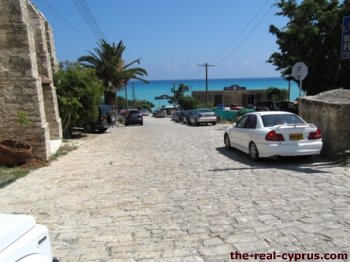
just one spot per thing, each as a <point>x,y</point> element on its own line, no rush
<point>299,71</point>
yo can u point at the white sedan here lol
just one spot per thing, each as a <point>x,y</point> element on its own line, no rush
<point>273,134</point>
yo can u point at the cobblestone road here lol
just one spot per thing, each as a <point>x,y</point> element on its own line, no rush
<point>169,192</point>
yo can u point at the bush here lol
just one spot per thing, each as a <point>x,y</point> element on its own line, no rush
<point>79,93</point>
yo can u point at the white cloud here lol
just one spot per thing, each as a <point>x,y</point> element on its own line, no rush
<point>248,63</point>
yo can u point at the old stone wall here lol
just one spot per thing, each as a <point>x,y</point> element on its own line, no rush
<point>25,56</point>
<point>330,111</point>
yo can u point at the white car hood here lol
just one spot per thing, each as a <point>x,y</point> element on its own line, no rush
<point>12,227</point>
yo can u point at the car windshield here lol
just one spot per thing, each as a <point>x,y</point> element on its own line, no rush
<point>204,111</point>
<point>134,112</point>
<point>281,119</point>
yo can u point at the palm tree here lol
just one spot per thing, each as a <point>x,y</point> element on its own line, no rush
<point>111,68</point>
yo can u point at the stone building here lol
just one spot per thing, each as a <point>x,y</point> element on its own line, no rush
<point>330,111</point>
<point>27,63</point>
<point>229,97</point>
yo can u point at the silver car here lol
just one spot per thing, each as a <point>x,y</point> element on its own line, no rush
<point>202,115</point>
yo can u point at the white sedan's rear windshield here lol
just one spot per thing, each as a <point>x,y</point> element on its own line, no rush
<point>281,119</point>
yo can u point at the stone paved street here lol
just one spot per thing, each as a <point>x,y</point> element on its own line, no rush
<point>169,192</point>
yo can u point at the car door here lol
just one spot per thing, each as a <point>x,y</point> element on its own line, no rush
<point>237,132</point>
<point>248,133</point>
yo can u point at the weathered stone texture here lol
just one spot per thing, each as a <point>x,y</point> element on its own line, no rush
<point>24,56</point>
<point>330,111</point>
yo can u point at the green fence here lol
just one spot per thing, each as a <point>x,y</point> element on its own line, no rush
<point>231,115</point>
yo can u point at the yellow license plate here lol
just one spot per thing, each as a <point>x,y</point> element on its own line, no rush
<point>296,137</point>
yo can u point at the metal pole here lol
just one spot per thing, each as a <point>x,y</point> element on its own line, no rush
<point>300,86</point>
<point>206,85</point>
<point>289,88</point>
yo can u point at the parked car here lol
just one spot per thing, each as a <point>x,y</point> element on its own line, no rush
<point>220,106</point>
<point>273,134</point>
<point>173,116</point>
<point>106,118</point>
<point>235,107</point>
<point>186,118</point>
<point>145,112</point>
<point>134,116</point>
<point>179,116</point>
<point>202,115</point>
<point>159,113</point>
<point>277,106</point>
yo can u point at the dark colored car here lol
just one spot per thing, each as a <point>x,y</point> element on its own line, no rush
<point>134,116</point>
<point>186,118</point>
<point>159,113</point>
<point>286,106</point>
<point>106,117</point>
<point>179,116</point>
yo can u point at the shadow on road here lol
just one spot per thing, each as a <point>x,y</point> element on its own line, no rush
<point>296,164</point>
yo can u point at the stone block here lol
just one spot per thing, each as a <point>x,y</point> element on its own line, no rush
<point>330,111</point>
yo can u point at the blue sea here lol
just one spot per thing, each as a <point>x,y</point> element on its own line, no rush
<point>159,87</point>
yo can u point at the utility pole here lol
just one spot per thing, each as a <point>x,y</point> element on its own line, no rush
<point>206,65</point>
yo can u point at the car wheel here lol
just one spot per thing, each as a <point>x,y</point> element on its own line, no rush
<point>141,123</point>
<point>253,152</point>
<point>195,122</point>
<point>214,123</point>
<point>89,128</point>
<point>227,142</point>
<point>102,130</point>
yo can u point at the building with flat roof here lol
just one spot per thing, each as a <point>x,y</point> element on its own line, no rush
<point>231,97</point>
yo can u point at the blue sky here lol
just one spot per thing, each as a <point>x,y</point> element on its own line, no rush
<point>173,36</point>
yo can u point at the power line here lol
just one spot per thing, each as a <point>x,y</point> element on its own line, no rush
<point>242,31</point>
<point>87,8</point>
<point>87,15</point>
<point>249,34</point>
<point>64,21</point>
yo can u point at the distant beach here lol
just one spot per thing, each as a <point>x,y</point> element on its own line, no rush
<point>159,87</point>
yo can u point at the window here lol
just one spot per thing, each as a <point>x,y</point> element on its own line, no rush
<point>280,119</point>
<point>251,122</point>
<point>241,122</point>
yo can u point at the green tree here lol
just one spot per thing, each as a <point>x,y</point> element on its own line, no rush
<point>79,93</point>
<point>178,92</point>
<point>276,94</point>
<point>312,35</point>
<point>187,102</point>
<point>139,104</point>
<point>111,68</point>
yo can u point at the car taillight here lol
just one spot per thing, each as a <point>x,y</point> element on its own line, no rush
<point>315,135</point>
<point>272,136</point>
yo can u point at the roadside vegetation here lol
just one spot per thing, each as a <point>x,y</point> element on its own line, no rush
<point>115,73</point>
<point>79,93</point>
<point>313,35</point>
<point>139,104</point>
